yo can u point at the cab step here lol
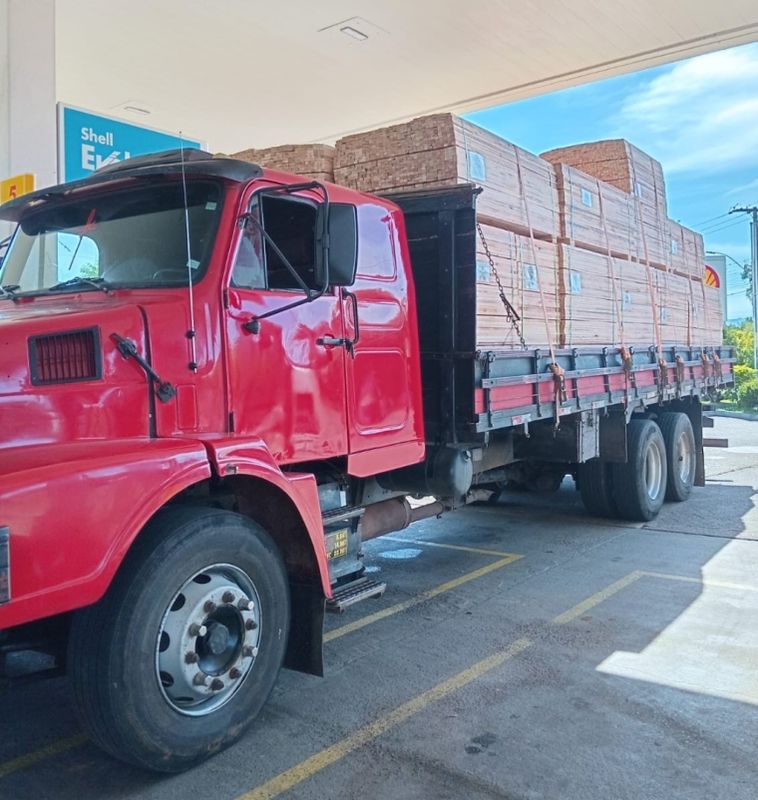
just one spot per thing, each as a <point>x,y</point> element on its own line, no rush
<point>353,592</point>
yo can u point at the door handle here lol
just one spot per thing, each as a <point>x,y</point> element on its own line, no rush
<point>332,341</point>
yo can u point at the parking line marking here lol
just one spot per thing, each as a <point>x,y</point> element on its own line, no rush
<point>30,759</point>
<point>479,550</point>
<point>582,608</point>
<point>421,598</point>
<point>319,761</point>
<point>702,581</point>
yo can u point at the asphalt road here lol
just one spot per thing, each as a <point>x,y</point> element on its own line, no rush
<point>522,650</point>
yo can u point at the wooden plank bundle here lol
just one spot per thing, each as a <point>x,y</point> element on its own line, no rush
<point>687,256</point>
<point>706,314</point>
<point>524,268</point>
<point>626,167</point>
<point>519,189</point>
<point>638,301</point>
<point>589,315</point>
<point>674,300</point>
<point>591,209</point>
<point>315,161</point>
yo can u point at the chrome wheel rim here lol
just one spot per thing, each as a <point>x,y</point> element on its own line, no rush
<point>208,640</point>
<point>685,458</point>
<point>653,471</point>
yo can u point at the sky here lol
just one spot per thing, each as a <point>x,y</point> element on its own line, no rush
<point>698,117</point>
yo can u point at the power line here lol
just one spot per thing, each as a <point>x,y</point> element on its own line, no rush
<point>706,221</point>
<point>711,231</point>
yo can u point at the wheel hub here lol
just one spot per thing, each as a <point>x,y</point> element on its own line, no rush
<point>208,641</point>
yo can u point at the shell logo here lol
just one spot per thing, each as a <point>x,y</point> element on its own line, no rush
<point>711,277</point>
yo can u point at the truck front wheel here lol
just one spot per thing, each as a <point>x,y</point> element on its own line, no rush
<point>175,662</point>
<point>639,485</point>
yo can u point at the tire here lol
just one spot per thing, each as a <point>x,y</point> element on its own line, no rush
<point>129,655</point>
<point>595,483</point>
<point>681,456</point>
<point>639,485</point>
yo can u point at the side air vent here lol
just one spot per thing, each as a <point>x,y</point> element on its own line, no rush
<point>65,357</point>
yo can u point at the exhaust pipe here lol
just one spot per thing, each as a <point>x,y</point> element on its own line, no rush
<point>396,515</point>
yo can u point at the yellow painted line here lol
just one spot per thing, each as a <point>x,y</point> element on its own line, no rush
<point>30,759</point>
<point>343,630</point>
<point>479,550</point>
<point>742,587</point>
<point>319,761</point>
<point>597,598</point>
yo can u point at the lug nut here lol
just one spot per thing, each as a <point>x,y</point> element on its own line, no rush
<point>228,597</point>
<point>197,630</point>
<point>201,679</point>
<point>217,685</point>
<point>251,624</point>
<point>247,651</point>
<point>234,673</point>
<point>209,607</point>
<point>191,657</point>
<point>245,604</point>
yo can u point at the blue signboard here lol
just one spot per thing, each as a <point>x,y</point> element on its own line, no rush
<point>89,141</point>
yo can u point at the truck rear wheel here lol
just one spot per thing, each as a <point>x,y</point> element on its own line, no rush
<point>639,485</point>
<point>680,454</point>
<point>595,480</point>
<point>175,662</point>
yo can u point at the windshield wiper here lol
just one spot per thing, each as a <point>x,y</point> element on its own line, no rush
<point>78,281</point>
<point>9,291</point>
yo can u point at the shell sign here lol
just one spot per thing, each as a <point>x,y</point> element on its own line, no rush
<point>711,277</point>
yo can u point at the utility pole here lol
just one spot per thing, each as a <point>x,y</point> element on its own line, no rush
<point>753,212</point>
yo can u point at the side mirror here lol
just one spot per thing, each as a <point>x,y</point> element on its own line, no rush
<point>343,244</point>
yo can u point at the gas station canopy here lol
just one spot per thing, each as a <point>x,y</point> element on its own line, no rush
<point>249,73</point>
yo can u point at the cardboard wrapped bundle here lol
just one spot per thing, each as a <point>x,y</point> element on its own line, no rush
<point>519,188</point>
<point>621,164</point>
<point>315,161</point>
<point>525,268</point>
<point>590,210</point>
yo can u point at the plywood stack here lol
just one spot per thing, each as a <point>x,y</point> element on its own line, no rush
<point>621,164</point>
<point>519,188</point>
<point>591,209</point>
<point>315,161</point>
<point>527,285</point>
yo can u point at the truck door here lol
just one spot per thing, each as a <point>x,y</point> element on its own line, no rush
<point>286,382</point>
<point>383,385</point>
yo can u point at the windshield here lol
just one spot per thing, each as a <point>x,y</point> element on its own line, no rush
<point>131,237</point>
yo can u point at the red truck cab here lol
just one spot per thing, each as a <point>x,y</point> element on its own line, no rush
<point>182,327</point>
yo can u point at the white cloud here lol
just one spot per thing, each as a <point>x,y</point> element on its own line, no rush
<point>701,115</point>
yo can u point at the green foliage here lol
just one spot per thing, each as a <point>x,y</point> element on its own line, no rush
<point>747,393</point>
<point>741,338</point>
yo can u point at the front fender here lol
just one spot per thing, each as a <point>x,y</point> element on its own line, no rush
<point>74,509</point>
<point>235,456</point>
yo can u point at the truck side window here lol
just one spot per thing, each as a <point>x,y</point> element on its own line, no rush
<point>291,223</point>
<point>249,267</point>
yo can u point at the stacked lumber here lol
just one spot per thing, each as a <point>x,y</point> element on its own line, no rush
<point>633,285</point>
<point>626,167</point>
<point>528,271</point>
<point>315,161</point>
<point>519,189</point>
<point>707,316</point>
<point>594,214</point>
<point>674,299</point>
<point>589,315</point>
<point>687,255</point>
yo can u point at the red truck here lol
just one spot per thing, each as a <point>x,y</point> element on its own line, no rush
<point>217,381</point>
